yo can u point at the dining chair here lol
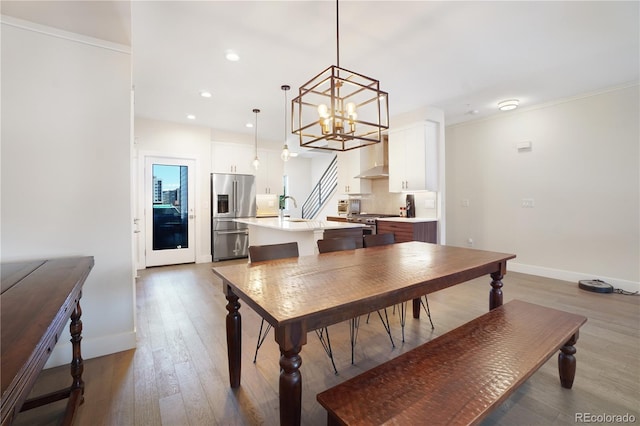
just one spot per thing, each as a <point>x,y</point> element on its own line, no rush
<point>336,244</point>
<point>283,251</point>
<point>389,238</point>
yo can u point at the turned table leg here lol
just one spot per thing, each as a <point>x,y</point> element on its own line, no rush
<point>495,295</point>
<point>234,338</point>
<point>77,364</point>
<point>290,387</point>
<point>567,362</point>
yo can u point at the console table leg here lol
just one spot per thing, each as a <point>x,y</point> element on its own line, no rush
<point>495,295</point>
<point>77,364</point>
<point>567,362</point>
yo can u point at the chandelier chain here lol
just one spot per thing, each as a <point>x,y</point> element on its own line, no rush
<point>337,35</point>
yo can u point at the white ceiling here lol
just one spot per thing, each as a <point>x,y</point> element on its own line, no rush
<point>456,56</point>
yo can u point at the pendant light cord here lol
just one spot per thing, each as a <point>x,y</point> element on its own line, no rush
<point>285,88</point>
<point>256,111</point>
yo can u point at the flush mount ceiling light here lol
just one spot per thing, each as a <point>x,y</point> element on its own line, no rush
<point>191,116</point>
<point>340,110</point>
<point>205,94</point>
<point>508,105</point>
<point>256,162</point>
<point>232,55</point>
<point>285,154</point>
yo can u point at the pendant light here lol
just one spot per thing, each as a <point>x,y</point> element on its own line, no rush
<point>340,110</point>
<point>256,162</point>
<point>285,155</point>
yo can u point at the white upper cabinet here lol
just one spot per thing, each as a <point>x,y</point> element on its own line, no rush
<point>233,158</point>
<point>269,173</point>
<point>350,164</point>
<point>413,158</point>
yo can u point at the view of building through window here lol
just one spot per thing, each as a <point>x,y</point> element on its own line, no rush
<point>170,207</point>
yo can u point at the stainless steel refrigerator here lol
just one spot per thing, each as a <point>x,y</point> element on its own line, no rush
<point>232,196</point>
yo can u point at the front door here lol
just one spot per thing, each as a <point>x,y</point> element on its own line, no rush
<point>169,211</point>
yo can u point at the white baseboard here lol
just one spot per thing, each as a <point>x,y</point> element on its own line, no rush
<point>571,276</point>
<point>91,348</point>
<point>204,259</point>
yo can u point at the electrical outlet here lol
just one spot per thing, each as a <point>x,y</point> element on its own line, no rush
<point>429,204</point>
<point>465,202</point>
<point>527,203</point>
<point>470,242</point>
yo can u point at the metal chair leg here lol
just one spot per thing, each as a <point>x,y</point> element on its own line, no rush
<point>386,325</point>
<point>427,310</point>
<point>327,345</point>
<point>261,338</point>
<point>354,325</point>
<point>403,317</point>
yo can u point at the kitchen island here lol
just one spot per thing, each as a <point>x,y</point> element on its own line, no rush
<point>306,233</point>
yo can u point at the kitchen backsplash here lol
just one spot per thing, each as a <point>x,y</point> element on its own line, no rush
<point>382,201</point>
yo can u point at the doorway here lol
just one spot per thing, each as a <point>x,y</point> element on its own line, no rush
<point>169,211</point>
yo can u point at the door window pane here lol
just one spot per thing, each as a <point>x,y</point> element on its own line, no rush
<point>170,211</point>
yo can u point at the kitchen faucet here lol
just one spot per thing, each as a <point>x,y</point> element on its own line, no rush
<point>281,204</point>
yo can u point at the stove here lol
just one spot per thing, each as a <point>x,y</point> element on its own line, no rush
<point>368,219</point>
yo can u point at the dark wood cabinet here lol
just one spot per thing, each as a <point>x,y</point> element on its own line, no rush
<point>409,230</point>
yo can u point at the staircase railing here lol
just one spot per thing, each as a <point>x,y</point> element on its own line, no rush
<point>323,190</point>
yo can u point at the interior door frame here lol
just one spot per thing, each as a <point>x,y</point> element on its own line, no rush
<point>145,215</point>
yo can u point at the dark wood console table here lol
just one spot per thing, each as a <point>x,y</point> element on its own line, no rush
<point>38,298</point>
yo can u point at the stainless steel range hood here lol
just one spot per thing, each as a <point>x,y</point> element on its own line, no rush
<point>380,163</point>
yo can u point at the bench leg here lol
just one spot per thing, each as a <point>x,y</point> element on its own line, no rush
<point>567,362</point>
<point>495,295</point>
<point>332,421</point>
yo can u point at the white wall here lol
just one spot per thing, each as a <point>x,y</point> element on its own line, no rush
<point>165,139</point>
<point>582,173</point>
<point>65,171</point>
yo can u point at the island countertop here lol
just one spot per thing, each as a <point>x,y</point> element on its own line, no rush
<point>297,225</point>
<point>407,219</point>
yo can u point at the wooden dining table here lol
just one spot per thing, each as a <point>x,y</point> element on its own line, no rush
<point>302,294</point>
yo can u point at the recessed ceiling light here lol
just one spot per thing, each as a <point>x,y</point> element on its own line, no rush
<point>191,116</point>
<point>232,55</point>
<point>205,94</point>
<point>249,125</point>
<point>508,105</point>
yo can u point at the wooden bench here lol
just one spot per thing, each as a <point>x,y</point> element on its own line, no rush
<point>459,377</point>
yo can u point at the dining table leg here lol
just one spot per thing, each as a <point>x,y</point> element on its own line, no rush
<point>290,386</point>
<point>234,337</point>
<point>416,308</point>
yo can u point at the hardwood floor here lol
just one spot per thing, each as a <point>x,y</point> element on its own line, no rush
<point>178,375</point>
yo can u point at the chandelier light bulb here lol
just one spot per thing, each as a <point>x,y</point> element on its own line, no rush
<point>256,163</point>
<point>323,111</point>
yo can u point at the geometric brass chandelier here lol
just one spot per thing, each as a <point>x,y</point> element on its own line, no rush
<point>340,110</point>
